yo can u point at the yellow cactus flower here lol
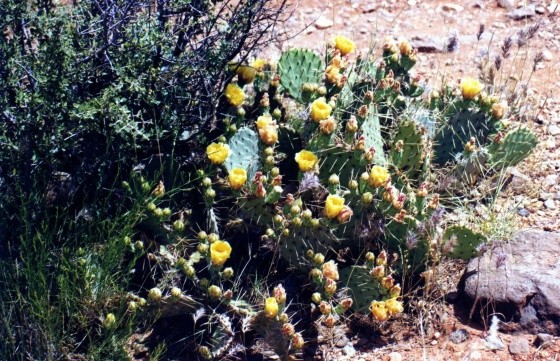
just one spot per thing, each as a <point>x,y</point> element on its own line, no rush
<point>333,205</point>
<point>320,110</point>
<point>237,178</point>
<point>393,306</point>
<point>258,64</point>
<point>378,176</point>
<point>263,121</point>
<point>332,73</point>
<point>379,310</point>
<point>217,153</point>
<point>234,94</point>
<point>219,253</point>
<point>271,307</point>
<point>269,134</point>
<point>470,87</point>
<point>306,160</point>
<point>344,45</point>
<point>246,73</point>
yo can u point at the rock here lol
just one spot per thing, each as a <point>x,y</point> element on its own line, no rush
<point>522,13</point>
<point>507,4</point>
<point>528,316</point>
<point>553,8</point>
<point>429,44</point>
<point>342,341</point>
<point>323,23</point>
<point>540,9</point>
<point>459,336</point>
<point>349,350</point>
<point>530,276</point>
<point>553,129</point>
<point>523,212</point>
<point>449,7</point>
<point>549,204</point>
<point>551,180</point>
<point>518,346</point>
<point>542,338</point>
<point>395,356</point>
<point>369,7</point>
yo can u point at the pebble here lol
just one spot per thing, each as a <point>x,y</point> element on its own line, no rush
<point>475,355</point>
<point>522,13</point>
<point>518,346</point>
<point>459,336</point>
<point>349,350</point>
<point>323,23</point>
<point>341,342</point>
<point>507,4</point>
<point>395,356</point>
<point>549,204</point>
<point>523,212</point>
<point>551,179</point>
<point>553,129</point>
<point>543,338</point>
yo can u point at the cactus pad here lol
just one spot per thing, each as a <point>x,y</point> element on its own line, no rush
<point>371,131</point>
<point>297,67</point>
<point>362,287</point>
<point>515,147</point>
<point>244,148</point>
<point>409,157</point>
<point>347,164</point>
<point>461,242</point>
<point>294,246</point>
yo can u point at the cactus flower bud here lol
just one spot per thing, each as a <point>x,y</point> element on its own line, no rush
<point>330,286</point>
<point>395,291</point>
<point>378,272</point>
<point>367,198</point>
<point>145,187</point>
<point>346,303</point>
<point>319,258</point>
<point>269,134</point>
<point>288,329</point>
<point>166,211</point>
<point>178,226</point>
<point>210,193</point>
<point>176,292</point>
<point>387,282</point>
<point>297,341</point>
<point>271,307</point>
<point>297,222</point>
<point>280,294</point>
<point>202,248</point>
<point>330,321</point>
<point>327,126</point>
<point>154,294</point>
<point>316,297</point>
<point>316,274</point>
<point>325,308</point>
<point>205,352</point>
<point>314,223</point>
<point>139,245</point>
<point>151,207</point>
<point>284,318</point>
<point>352,125</point>
<point>132,306</point>
<point>228,273</point>
<point>352,184</point>
<point>344,215</point>
<point>214,292</point>
<point>159,190</point>
<point>228,295</point>
<point>109,321</point>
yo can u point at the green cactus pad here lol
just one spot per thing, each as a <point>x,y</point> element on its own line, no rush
<point>396,237</point>
<point>461,242</point>
<point>347,164</point>
<point>362,287</point>
<point>450,139</point>
<point>410,158</point>
<point>294,246</point>
<point>371,131</point>
<point>297,67</point>
<point>244,152</point>
<point>257,211</point>
<point>516,146</point>
<point>270,329</point>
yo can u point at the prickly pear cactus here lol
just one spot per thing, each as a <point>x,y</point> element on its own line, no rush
<point>294,246</point>
<point>450,139</point>
<point>516,146</point>
<point>471,166</point>
<point>244,148</point>
<point>407,148</point>
<point>298,67</point>
<point>461,242</point>
<point>362,287</point>
<point>347,164</point>
<point>371,131</point>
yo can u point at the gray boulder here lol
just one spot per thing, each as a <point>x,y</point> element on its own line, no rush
<point>522,274</point>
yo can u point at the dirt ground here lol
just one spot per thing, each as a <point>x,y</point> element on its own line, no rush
<point>533,194</point>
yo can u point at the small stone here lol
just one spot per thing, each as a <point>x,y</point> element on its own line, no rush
<point>551,179</point>
<point>540,9</point>
<point>522,13</point>
<point>323,23</point>
<point>395,356</point>
<point>507,4</point>
<point>369,7</point>
<point>550,144</point>
<point>342,341</point>
<point>523,212</point>
<point>459,336</point>
<point>449,7</point>
<point>543,338</point>
<point>549,204</point>
<point>437,335</point>
<point>553,129</point>
<point>428,44</point>
<point>433,342</point>
<point>349,350</point>
<point>518,346</point>
<point>475,355</point>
